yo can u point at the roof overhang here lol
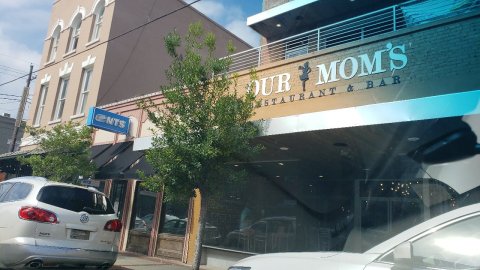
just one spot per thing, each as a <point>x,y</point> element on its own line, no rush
<point>299,16</point>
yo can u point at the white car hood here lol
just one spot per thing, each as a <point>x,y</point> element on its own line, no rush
<point>308,260</point>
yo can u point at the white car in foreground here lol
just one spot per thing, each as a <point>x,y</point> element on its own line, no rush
<point>46,223</point>
<point>448,241</point>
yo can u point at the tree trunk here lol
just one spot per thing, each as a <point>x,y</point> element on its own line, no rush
<point>199,240</point>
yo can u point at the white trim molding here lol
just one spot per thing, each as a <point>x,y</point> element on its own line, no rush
<point>45,79</point>
<point>79,10</point>
<point>89,61</point>
<point>60,24</point>
<point>95,5</point>
<point>65,70</point>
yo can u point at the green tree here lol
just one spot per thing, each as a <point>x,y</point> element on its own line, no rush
<point>203,124</point>
<point>65,152</point>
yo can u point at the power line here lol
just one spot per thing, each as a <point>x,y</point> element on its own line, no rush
<point>8,74</point>
<point>16,99</point>
<point>106,41</point>
<point>8,95</point>
<point>20,59</point>
<point>16,79</point>
<point>12,69</point>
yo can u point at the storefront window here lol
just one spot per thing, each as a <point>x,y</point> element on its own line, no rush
<point>172,230</point>
<point>117,196</point>
<point>349,189</point>
<point>142,218</point>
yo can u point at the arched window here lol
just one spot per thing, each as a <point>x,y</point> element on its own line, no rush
<point>52,52</point>
<point>97,20</point>
<point>74,33</point>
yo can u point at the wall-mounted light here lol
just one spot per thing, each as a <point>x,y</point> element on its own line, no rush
<point>278,25</point>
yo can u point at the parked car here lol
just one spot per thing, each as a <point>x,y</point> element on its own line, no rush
<point>271,234</point>
<point>448,241</point>
<point>211,235</point>
<point>47,223</point>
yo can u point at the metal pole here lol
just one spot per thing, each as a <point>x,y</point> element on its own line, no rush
<point>21,109</point>
<point>394,19</point>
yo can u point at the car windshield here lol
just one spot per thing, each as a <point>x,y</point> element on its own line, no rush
<point>76,199</point>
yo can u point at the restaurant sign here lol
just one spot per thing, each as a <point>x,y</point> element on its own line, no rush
<point>326,73</point>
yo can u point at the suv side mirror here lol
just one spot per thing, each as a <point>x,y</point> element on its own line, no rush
<point>402,256</point>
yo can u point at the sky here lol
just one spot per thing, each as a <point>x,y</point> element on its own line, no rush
<point>23,29</point>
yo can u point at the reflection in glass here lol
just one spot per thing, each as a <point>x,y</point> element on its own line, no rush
<point>453,247</point>
<point>172,230</point>
<point>348,189</point>
<point>117,196</point>
<point>142,218</point>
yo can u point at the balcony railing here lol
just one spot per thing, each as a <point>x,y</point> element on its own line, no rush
<point>382,21</point>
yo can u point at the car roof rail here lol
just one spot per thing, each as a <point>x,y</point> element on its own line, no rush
<point>31,178</point>
<point>94,189</point>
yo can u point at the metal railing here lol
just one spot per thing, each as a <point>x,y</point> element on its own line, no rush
<point>382,21</point>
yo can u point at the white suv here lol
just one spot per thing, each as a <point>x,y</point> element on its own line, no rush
<point>46,223</point>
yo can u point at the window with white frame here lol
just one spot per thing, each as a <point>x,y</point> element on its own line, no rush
<point>74,33</point>
<point>52,53</point>
<point>84,90</point>
<point>61,96</point>
<point>41,104</point>
<point>97,20</point>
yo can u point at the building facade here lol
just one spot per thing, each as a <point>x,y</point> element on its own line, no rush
<point>7,125</point>
<point>93,56</point>
<point>371,124</point>
<point>99,52</point>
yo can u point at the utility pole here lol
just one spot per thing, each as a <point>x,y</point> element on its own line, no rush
<point>21,109</point>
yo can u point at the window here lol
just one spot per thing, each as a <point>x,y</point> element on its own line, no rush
<point>84,89</point>
<point>61,99</point>
<point>41,104</point>
<point>4,188</point>
<point>76,199</point>
<point>74,33</point>
<point>97,20</point>
<point>18,192</point>
<point>54,44</point>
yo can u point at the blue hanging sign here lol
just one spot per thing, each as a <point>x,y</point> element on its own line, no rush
<point>106,120</point>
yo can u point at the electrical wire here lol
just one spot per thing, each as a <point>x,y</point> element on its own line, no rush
<point>10,69</point>
<point>2,84</point>
<point>106,41</point>
<point>8,95</point>
<point>16,99</point>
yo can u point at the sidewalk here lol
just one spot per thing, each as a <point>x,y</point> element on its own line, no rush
<point>130,261</point>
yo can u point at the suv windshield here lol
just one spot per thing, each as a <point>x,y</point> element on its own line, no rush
<point>76,199</point>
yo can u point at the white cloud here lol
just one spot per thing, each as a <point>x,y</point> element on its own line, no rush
<point>14,4</point>
<point>15,60</point>
<point>231,17</point>
<point>240,29</point>
<point>22,31</point>
<point>211,9</point>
